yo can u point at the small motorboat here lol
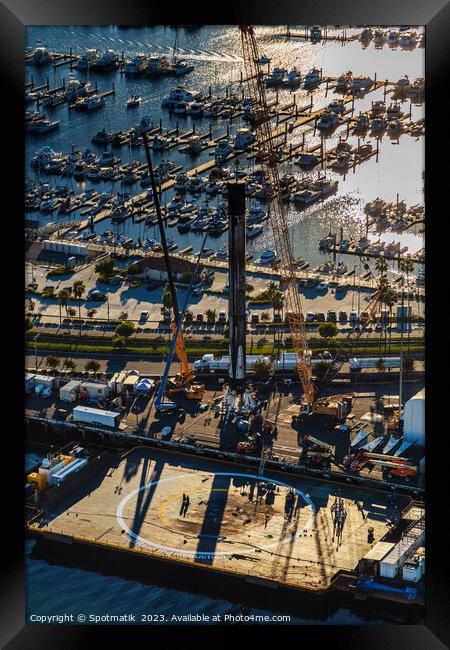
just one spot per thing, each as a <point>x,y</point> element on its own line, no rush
<point>135,100</point>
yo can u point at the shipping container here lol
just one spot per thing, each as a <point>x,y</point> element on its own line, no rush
<point>96,416</point>
<point>93,389</point>
<point>30,382</point>
<point>357,364</point>
<point>66,471</point>
<point>44,380</point>
<point>69,392</point>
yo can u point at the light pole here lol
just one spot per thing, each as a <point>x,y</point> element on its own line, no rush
<point>35,352</point>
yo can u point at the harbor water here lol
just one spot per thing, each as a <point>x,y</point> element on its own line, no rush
<point>216,54</point>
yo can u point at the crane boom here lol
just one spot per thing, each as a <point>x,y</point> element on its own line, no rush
<point>278,217</point>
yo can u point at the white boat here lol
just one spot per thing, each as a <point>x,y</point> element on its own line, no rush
<point>268,257</point>
<point>41,56</point>
<point>344,81</point>
<point>276,77</point>
<point>181,181</point>
<point>43,157</point>
<point>244,138</point>
<point>255,214</point>
<point>292,80</point>
<point>362,123</point>
<point>106,61</point>
<point>408,39</point>
<point>181,68</point>
<point>223,149</point>
<point>366,35</point>
<point>264,60</point>
<point>392,38</point>
<point>312,78</point>
<point>87,60</point>
<point>157,66</point>
<point>379,37</point>
<point>328,120</point>
<point>195,109</point>
<point>44,126</point>
<point>159,143</point>
<point>394,111</point>
<point>91,103</point>
<point>137,65</point>
<point>195,184</point>
<point>135,100</point>
<point>253,231</point>
<point>180,95</point>
<point>378,124</point>
<point>361,83</point>
<point>336,106</point>
<point>342,161</point>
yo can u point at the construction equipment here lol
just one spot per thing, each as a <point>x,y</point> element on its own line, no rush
<point>392,466</point>
<point>268,159</point>
<point>316,453</point>
<point>186,374</point>
<point>195,391</point>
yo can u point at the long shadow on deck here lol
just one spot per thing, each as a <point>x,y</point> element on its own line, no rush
<point>212,520</point>
<point>144,497</point>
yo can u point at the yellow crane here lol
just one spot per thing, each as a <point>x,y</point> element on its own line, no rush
<point>328,406</point>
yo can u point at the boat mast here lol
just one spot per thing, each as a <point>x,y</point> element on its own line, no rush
<point>175,45</point>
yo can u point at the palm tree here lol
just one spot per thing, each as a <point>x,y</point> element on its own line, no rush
<point>380,365</point>
<point>53,362</point>
<point>78,289</point>
<point>381,266</point>
<point>63,299</point>
<point>210,315</point>
<point>407,266</point>
<point>31,305</point>
<point>92,365</point>
<point>69,365</point>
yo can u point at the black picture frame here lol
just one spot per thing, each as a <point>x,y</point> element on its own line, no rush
<point>15,15</point>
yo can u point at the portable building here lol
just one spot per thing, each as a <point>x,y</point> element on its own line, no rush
<point>369,565</point>
<point>414,567</point>
<point>116,382</point>
<point>69,392</point>
<point>395,559</point>
<point>414,418</point>
<point>95,416</point>
<point>44,380</point>
<point>96,390</point>
<point>130,383</point>
<point>30,381</point>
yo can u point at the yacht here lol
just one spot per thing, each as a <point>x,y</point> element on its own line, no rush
<point>264,60</point>
<point>181,181</point>
<point>328,120</point>
<point>253,231</point>
<point>195,109</point>
<point>379,37</point>
<point>217,227</point>
<point>394,111</point>
<point>292,80</point>
<point>378,124</point>
<point>102,137</point>
<point>43,157</point>
<point>87,60</point>
<point>268,257</point>
<point>312,78</point>
<point>180,108</point>
<point>336,106</point>
<point>194,145</point>
<point>135,100</point>
<point>175,204</point>
<point>195,184</point>
<point>392,38</point>
<point>213,186</point>
<point>157,66</point>
<point>306,196</point>
<point>106,61</point>
<point>41,56</point>
<point>223,149</point>
<point>378,108</point>
<point>361,83</point>
<point>362,123</point>
<point>137,65</point>
<point>315,33</point>
<point>276,77</point>
<point>394,127</point>
<point>402,85</point>
<point>342,161</point>
<point>364,149</point>
<point>180,68</point>
<point>417,88</point>
<point>344,82</point>
<point>366,35</point>
<point>408,38</point>
<point>159,142</point>
<point>44,126</point>
<point>255,214</point>
<point>91,103</point>
<point>244,138</point>
<point>180,95</point>
<point>107,158</point>
<point>189,207</point>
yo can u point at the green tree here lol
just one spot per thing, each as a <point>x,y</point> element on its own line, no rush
<point>31,305</point>
<point>381,266</point>
<point>328,329</point>
<point>188,317</point>
<point>118,342</point>
<point>210,316</point>
<point>92,366</point>
<point>380,365</point>
<point>265,316</point>
<point>69,365</point>
<point>28,323</point>
<point>262,368</point>
<point>407,266</point>
<point>78,289</point>
<point>105,267</point>
<point>123,315</point>
<point>321,367</point>
<point>72,312</point>
<point>125,329</point>
<point>91,313</point>
<point>52,362</point>
<point>167,298</point>
<point>408,364</point>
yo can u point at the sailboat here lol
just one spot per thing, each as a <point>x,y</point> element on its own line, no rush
<point>179,67</point>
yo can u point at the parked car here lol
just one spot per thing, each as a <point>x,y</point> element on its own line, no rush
<point>343,316</point>
<point>331,315</point>
<point>322,286</point>
<point>310,317</point>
